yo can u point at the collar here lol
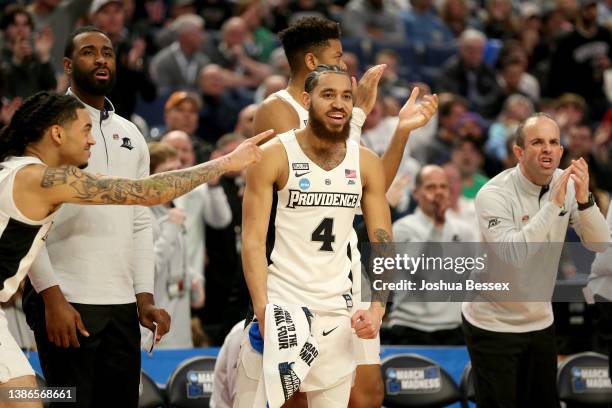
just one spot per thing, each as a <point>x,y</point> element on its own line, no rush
<point>525,184</point>
<point>107,113</point>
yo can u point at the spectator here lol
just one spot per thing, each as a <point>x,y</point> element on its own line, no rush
<point>176,66</point>
<point>174,282</point>
<point>224,380</point>
<point>580,144</point>
<point>26,67</point>
<point>132,74</point>
<point>221,104</point>
<point>377,19</point>
<point>391,83</point>
<point>226,291</point>
<point>569,111</point>
<point>423,26</point>
<point>439,149</point>
<point>353,64</point>
<point>516,109</point>
<point>584,55</point>
<point>604,15</point>
<point>270,85</point>
<point>468,158</point>
<point>459,207</point>
<point>499,21</point>
<point>215,12</point>
<point>252,11</point>
<point>244,126</point>
<point>467,75</point>
<point>422,322</point>
<point>60,18</point>
<point>456,15</point>
<point>205,205</point>
<point>181,112</point>
<point>238,54</point>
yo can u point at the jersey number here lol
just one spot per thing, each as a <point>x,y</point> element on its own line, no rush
<point>323,233</point>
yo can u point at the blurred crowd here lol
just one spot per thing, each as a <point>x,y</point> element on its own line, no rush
<point>190,74</point>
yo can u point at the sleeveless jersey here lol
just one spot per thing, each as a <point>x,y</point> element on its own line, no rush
<point>299,109</point>
<point>20,237</point>
<point>309,261</point>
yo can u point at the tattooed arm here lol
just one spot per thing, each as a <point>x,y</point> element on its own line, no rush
<point>378,222</point>
<point>68,184</point>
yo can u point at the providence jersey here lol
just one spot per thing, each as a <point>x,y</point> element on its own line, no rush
<point>309,262</point>
<point>20,237</point>
<point>299,109</point>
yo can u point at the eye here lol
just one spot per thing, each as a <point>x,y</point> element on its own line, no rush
<point>348,97</point>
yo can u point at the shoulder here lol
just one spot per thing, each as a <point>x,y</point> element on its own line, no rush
<point>30,174</point>
<point>274,103</point>
<point>405,224</point>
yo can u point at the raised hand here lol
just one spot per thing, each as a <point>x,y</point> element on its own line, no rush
<point>414,115</point>
<point>247,152</point>
<point>559,187</point>
<point>580,175</point>
<point>43,42</point>
<point>366,91</point>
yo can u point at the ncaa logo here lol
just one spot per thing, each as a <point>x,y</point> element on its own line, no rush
<point>304,184</point>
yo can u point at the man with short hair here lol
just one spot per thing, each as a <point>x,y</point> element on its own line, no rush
<point>42,152</point>
<point>414,321</point>
<point>523,216</point>
<point>295,166</point>
<point>307,43</point>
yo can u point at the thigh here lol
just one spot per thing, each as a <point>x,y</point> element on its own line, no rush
<point>117,366</point>
<point>334,397</point>
<point>27,381</point>
<point>368,389</point>
<point>13,363</point>
<point>541,371</point>
<point>495,361</point>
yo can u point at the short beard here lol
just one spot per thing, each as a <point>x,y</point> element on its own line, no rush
<point>88,83</point>
<point>322,132</point>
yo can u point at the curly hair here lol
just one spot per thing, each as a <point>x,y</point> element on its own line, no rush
<point>313,78</point>
<point>307,35</point>
<point>29,123</point>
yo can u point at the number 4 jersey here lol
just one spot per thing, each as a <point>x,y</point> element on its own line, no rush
<point>309,261</point>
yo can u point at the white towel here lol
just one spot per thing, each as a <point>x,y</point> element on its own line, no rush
<point>289,352</point>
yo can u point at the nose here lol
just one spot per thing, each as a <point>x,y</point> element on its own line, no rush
<point>90,139</point>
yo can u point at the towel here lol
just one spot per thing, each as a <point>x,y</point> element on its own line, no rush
<point>289,352</point>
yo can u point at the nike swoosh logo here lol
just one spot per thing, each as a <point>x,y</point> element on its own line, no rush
<point>325,333</point>
<point>301,174</point>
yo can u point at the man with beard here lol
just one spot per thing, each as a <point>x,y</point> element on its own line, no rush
<point>307,43</point>
<point>319,177</point>
<point>95,283</point>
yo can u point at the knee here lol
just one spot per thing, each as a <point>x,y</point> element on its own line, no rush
<point>367,397</point>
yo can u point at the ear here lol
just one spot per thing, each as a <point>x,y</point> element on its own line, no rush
<point>518,152</point>
<point>306,100</point>
<point>67,66</point>
<point>57,134</point>
<point>311,61</point>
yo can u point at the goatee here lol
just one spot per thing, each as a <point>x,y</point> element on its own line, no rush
<point>322,132</point>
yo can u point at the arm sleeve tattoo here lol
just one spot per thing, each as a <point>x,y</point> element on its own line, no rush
<point>156,189</point>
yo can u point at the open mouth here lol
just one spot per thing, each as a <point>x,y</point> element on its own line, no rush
<point>546,162</point>
<point>102,73</point>
<point>337,117</point>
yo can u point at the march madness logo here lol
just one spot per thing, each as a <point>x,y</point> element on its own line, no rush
<point>418,380</point>
<point>299,198</point>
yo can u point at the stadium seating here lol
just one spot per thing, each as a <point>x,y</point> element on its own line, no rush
<point>150,395</point>
<point>415,381</point>
<point>466,385</point>
<point>584,379</point>
<point>190,385</point>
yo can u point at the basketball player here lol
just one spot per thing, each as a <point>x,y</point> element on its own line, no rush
<point>308,43</point>
<point>309,261</point>
<point>42,151</point>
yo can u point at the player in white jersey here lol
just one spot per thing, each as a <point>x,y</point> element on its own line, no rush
<point>41,153</point>
<point>307,43</point>
<point>320,178</point>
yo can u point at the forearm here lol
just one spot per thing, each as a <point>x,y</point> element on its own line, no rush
<point>358,118</point>
<point>593,229</point>
<point>255,268</point>
<point>392,157</point>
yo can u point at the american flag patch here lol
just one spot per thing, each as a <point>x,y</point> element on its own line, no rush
<point>350,173</point>
<point>115,136</point>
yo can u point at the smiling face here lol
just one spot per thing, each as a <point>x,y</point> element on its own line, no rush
<point>92,66</point>
<point>330,105</point>
<point>76,140</point>
<point>541,149</point>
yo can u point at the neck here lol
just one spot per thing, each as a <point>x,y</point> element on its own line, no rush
<point>538,180</point>
<point>186,50</point>
<point>42,153</point>
<point>318,145</point>
<point>97,101</point>
<point>296,87</point>
<point>586,29</point>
